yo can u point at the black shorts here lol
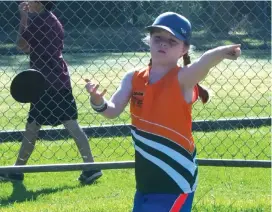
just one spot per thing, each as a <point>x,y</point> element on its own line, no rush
<point>54,107</point>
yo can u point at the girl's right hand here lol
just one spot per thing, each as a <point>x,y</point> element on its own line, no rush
<point>96,96</point>
<point>24,8</point>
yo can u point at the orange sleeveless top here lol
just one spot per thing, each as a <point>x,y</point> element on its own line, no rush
<point>165,153</point>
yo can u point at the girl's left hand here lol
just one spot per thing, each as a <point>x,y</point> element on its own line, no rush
<point>231,52</point>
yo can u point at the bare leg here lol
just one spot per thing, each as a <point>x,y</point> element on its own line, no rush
<point>28,143</point>
<point>80,138</point>
<point>86,177</point>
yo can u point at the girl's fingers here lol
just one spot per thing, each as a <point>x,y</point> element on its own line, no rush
<point>230,57</point>
<point>103,92</point>
<point>233,52</point>
<point>229,48</point>
<point>87,80</point>
<point>234,46</point>
<point>89,87</point>
<point>94,90</point>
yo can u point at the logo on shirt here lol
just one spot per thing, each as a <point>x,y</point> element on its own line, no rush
<point>137,98</point>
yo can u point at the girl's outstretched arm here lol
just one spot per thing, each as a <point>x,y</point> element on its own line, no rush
<point>194,73</point>
<point>118,101</point>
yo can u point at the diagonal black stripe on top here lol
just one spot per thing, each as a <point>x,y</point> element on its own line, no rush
<point>168,160</point>
<point>145,171</point>
<point>165,141</point>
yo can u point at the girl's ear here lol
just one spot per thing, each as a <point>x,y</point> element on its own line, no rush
<point>185,50</point>
<point>183,53</point>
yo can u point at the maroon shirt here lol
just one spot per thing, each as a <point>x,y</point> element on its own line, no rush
<point>45,36</point>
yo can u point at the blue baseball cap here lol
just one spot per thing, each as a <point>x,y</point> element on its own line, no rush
<point>176,24</point>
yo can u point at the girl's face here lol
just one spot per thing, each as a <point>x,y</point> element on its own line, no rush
<point>165,48</point>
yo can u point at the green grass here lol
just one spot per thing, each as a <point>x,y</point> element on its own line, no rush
<point>220,188</point>
<point>248,143</point>
<point>238,89</point>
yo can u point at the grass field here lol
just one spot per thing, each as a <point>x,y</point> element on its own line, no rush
<point>220,189</point>
<point>248,143</point>
<point>238,89</point>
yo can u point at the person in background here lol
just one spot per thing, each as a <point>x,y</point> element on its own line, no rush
<point>41,35</point>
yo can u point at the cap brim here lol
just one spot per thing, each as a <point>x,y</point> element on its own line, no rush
<point>173,32</point>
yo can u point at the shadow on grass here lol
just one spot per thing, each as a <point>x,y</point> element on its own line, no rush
<point>21,194</point>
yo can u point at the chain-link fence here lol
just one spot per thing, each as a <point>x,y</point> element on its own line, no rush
<point>103,40</point>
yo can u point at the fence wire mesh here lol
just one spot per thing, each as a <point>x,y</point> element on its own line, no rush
<point>103,40</point>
